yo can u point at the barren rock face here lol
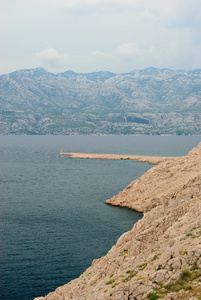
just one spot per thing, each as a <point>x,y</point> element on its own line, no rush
<point>162,253</point>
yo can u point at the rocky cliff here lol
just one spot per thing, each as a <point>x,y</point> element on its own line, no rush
<point>161,255</point>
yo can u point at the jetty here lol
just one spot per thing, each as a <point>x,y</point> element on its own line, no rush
<point>155,160</point>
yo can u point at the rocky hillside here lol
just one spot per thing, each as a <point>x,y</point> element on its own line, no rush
<point>161,255</point>
<point>149,101</point>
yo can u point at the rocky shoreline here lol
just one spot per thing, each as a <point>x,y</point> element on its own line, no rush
<point>161,255</point>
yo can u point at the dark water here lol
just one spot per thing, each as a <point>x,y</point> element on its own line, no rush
<point>53,220</point>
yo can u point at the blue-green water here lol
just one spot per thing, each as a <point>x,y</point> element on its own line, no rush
<point>53,220</point>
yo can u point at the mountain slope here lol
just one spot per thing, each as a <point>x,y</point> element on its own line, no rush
<point>150,101</point>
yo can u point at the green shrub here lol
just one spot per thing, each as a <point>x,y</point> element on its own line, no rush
<point>131,273</point>
<point>185,275</point>
<point>173,287</point>
<point>187,287</point>
<point>155,257</point>
<point>143,266</point>
<point>153,296</point>
<point>194,266</point>
<point>111,281</point>
<point>183,281</point>
<point>184,253</point>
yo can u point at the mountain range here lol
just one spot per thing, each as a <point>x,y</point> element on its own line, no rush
<point>149,101</point>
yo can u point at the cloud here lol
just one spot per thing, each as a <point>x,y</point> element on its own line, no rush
<point>49,54</point>
<point>76,3</point>
<point>174,53</point>
<point>126,56</point>
<point>106,6</point>
<point>83,35</point>
<point>51,58</point>
<point>127,49</point>
<point>123,50</point>
<point>164,7</point>
<point>102,54</point>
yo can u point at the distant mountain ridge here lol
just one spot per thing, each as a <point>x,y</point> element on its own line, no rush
<point>149,101</point>
<point>37,72</point>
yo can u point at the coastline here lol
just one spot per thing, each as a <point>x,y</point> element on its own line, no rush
<point>151,257</point>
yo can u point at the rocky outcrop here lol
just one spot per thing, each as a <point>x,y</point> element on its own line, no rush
<point>159,182</point>
<point>161,255</point>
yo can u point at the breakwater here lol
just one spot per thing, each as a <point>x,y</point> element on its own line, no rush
<point>155,160</point>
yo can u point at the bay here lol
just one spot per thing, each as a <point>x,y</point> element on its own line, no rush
<point>53,219</point>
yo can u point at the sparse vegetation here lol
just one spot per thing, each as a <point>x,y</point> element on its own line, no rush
<point>132,273</point>
<point>116,283</point>
<point>192,233</point>
<point>155,257</point>
<point>143,266</point>
<point>194,266</point>
<point>125,251</point>
<point>111,281</point>
<point>153,296</point>
<point>184,253</point>
<point>185,277</point>
<point>142,278</point>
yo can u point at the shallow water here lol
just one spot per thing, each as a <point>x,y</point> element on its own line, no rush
<point>53,220</point>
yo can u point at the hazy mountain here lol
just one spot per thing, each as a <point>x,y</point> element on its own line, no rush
<point>149,101</point>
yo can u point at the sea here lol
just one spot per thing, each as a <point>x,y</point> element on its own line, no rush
<point>53,216</point>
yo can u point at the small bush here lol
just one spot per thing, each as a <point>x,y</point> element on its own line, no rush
<point>173,287</point>
<point>189,234</point>
<point>183,281</point>
<point>185,275</point>
<point>187,287</point>
<point>153,296</point>
<point>194,266</point>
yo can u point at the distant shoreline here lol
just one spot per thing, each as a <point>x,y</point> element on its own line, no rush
<point>96,134</point>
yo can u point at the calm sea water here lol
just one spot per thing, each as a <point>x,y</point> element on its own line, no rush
<point>53,220</point>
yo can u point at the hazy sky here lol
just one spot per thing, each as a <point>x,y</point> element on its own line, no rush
<point>94,35</point>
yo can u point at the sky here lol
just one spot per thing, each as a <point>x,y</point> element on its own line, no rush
<point>95,35</point>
